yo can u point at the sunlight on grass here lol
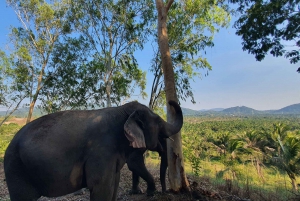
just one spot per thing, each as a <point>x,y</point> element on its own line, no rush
<point>7,132</point>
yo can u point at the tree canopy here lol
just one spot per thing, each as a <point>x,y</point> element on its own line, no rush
<point>31,44</point>
<point>269,27</point>
<point>191,28</point>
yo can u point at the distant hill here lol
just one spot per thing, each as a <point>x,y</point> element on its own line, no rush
<point>292,109</point>
<point>23,112</point>
<point>240,110</point>
<point>243,111</point>
<point>213,109</point>
<point>233,111</point>
<point>189,112</point>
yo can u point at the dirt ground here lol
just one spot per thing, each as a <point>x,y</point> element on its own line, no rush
<point>19,121</point>
<point>199,192</point>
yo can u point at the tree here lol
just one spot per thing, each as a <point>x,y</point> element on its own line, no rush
<point>191,27</point>
<point>291,159</point>
<point>12,86</point>
<point>74,81</point>
<point>180,37</point>
<point>269,27</point>
<point>254,144</point>
<point>42,25</point>
<point>287,156</point>
<point>178,181</point>
<point>70,82</point>
<point>114,30</point>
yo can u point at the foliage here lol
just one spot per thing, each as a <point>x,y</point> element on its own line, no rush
<point>191,27</point>
<point>113,30</point>
<point>6,134</point>
<point>75,81</point>
<point>42,24</point>
<point>269,27</point>
<point>233,141</point>
<point>13,82</point>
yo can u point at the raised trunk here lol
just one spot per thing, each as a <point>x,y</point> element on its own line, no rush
<point>171,129</point>
<point>177,177</point>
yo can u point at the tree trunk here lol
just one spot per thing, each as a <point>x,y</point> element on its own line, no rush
<point>177,177</point>
<point>39,86</point>
<point>31,107</point>
<point>295,185</point>
<point>12,111</point>
<point>294,182</point>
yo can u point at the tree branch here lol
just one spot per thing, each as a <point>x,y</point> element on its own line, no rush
<point>169,4</point>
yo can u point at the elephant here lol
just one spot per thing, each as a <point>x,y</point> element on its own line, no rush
<point>63,152</point>
<point>136,165</point>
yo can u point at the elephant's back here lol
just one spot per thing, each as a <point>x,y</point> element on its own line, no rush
<point>56,135</point>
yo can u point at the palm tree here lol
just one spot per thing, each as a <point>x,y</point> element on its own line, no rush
<point>254,143</point>
<point>287,156</point>
<point>278,135</point>
<point>290,158</point>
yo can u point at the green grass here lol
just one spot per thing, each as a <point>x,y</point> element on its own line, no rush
<point>246,183</point>
<point>7,132</point>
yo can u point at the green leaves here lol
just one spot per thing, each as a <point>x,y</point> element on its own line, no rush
<point>114,30</point>
<point>191,26</point>
<point>269,27</point>
<point>42,24</point>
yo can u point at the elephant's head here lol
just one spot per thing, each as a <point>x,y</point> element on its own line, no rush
<point>144,128</point>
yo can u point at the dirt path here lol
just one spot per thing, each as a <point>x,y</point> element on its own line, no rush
<point>19,121</point>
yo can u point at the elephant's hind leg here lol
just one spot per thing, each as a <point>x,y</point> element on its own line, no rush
<point>18,182</point>
<point>102,179</point>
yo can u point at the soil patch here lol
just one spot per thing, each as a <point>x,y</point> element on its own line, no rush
<point>19,121</point>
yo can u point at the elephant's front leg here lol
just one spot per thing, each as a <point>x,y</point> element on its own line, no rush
<point>136,164</point>
<point>135,184</point>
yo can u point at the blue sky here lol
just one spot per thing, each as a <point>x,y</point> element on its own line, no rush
<point>236,79</point>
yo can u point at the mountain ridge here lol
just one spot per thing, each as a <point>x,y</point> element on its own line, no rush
<point>293,109</point>
<point>243,110</point>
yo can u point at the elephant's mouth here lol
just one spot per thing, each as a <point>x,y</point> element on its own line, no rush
<point>158,148</point>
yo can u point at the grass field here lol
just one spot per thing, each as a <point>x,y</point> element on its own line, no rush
<point>238,177</point>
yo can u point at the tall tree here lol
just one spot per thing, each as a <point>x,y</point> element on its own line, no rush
<point>269,27</point>
<point>191,27</point>
<point>74,81</point>
<point>114,29</point>
<point>181,37</point>
<point>42,25</point>
<point>178,180</point>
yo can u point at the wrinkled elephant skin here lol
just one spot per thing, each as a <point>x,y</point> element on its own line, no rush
<point>63,152</point>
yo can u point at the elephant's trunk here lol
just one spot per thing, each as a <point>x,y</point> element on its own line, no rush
<point>172,129</point>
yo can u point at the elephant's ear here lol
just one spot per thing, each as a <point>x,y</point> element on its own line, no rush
<point>133,132</point>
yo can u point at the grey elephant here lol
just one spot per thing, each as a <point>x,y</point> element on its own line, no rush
<point>63,152</point>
